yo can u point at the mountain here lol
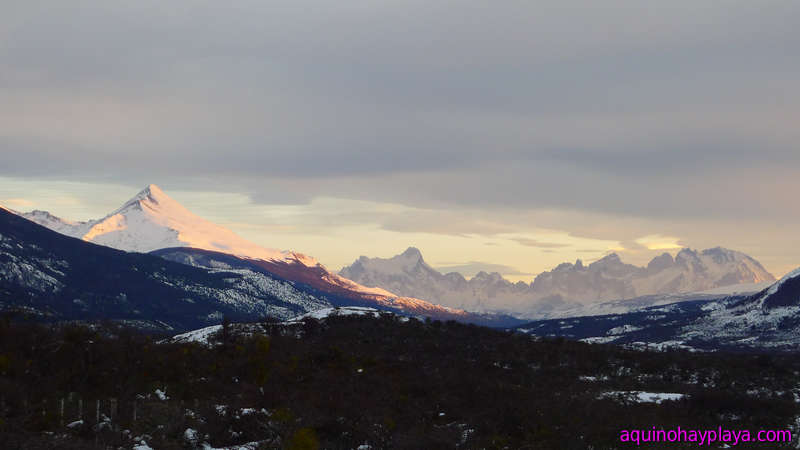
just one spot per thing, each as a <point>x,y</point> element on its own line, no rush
<point>566,286</point>
<point>336,290</point>
<point>50,276</point>
<point>770,317</point>
<point>152,221</point>
<point>767,320</point>
<point>408,274</point>
<point>689,271</point>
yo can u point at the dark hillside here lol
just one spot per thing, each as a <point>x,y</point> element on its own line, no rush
<point>349,381</point>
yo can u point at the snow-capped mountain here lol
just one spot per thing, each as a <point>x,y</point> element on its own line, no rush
<point>689,271</point>
<point>51,276</point>
<point>152,221</point>
<point>408,274</point>
<point>57,224</point>
<point>769,319</point>
<point>565,287</point>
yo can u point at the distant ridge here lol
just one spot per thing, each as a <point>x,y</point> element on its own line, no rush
<point>566,286</point>
<point>767,320</point>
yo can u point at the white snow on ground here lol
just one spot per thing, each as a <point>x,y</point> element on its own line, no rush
<point>774,288</point>
<point>599,339</point>
<point>342,311</point>
<point>642,396</point>
<point>162,395</point>
<point>204,335</point>
<point>749,322</point>
<point>660,346</point>
<point>623,329</point>
<point>201,336</point>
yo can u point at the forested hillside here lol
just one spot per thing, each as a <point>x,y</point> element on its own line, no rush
<point>346,382</point>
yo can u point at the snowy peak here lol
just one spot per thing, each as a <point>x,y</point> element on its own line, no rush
<point>409,261</point>
<point>152,220</point>
<point>611,258</point>
<point>412,253</point>
<point>68,227</point>
<point>608,278</point>
<point>151,197</point>
<point>661,262</point>
<point>490,278</point>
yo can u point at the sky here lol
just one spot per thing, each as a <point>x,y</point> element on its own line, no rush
<point>507,136</point>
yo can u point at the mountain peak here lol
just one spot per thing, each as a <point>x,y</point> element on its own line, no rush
<point>152,220</point>
<point>609,258</point>
<point>151,192</point>
<point>661,262</point>
<point>412,252</point>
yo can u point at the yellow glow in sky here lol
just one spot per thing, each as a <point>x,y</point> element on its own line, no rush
<point>337,231</point>
<point>659,242</point>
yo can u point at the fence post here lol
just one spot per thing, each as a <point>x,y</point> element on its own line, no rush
<point>97,411</point>
<point>134,409</point>
<point>61,413</point>
<point>80,408</point>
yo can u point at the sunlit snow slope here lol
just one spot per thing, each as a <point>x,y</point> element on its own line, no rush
<point>152,221</point>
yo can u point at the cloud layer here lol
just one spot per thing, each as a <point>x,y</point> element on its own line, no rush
<point>648,119</point>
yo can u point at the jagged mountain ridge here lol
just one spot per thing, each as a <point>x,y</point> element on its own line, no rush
<point>152,221</point>
<point>56,277</point>
<point>767,320</point>
<point>314,282</point>
<point>568,285</point>
<point>408,273</point>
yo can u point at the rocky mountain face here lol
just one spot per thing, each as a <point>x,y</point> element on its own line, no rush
<point>767,320</point>
<point>566,286</point>
<point>408,274</point>
<point>689,271</point>
<point>152,221</point>
<point>50,277</point>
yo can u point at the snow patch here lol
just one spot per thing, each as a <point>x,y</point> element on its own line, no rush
<point>643,397</point>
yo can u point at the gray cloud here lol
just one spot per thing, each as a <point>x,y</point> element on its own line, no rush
<point>672,110</point>
<point>539,244</point>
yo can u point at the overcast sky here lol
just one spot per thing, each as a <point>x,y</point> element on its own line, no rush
<point>513,134</point>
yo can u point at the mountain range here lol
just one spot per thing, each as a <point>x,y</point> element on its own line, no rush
<point>48,276</point>
<point>766,320</point>
<point>566,286</point>
<point>153,222</point>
